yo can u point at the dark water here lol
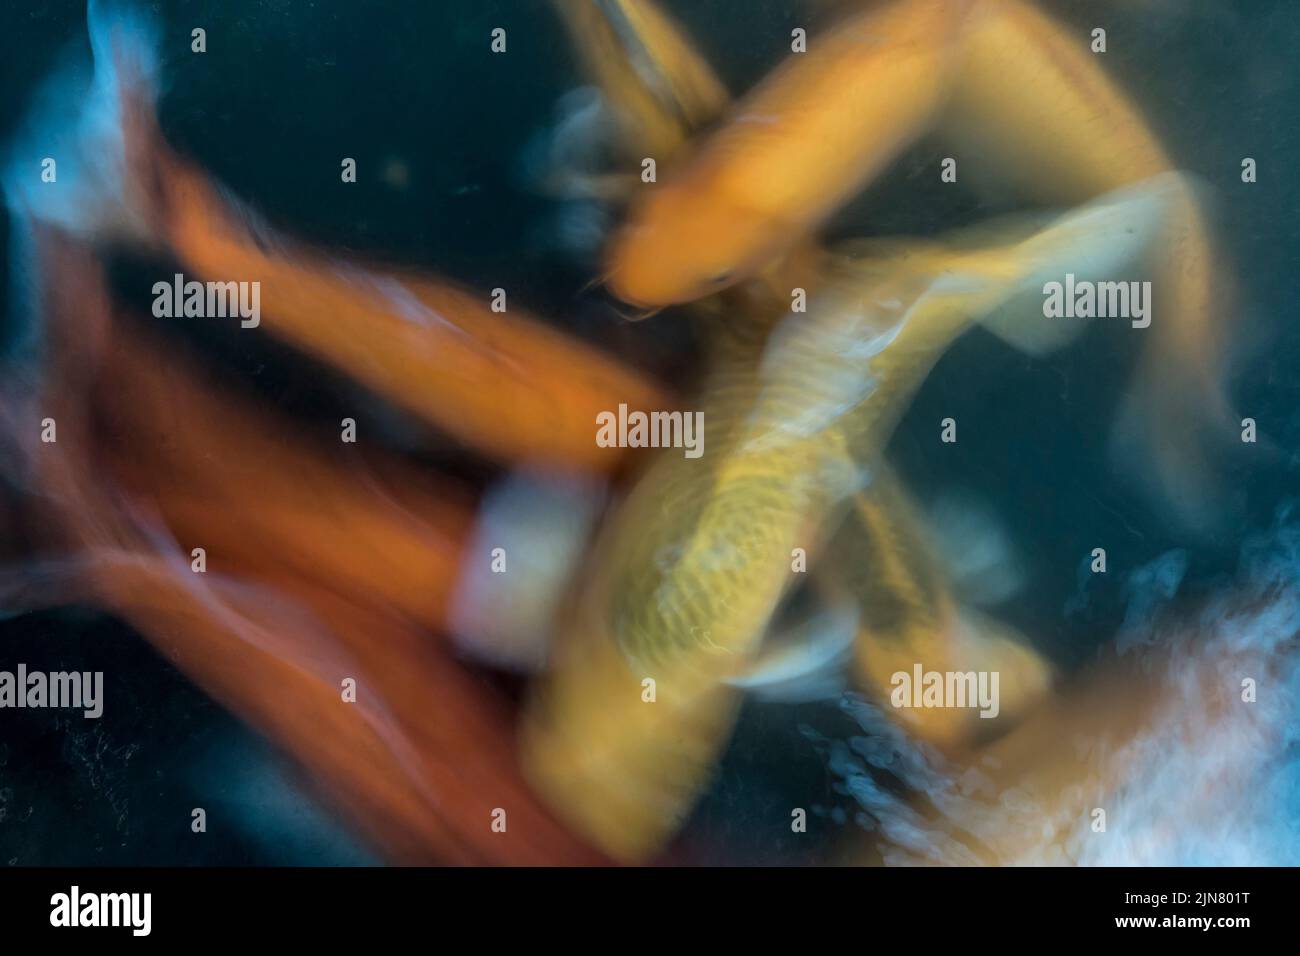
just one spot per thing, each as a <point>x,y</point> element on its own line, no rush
<point>286,88</point>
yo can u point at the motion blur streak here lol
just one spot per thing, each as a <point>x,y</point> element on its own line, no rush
<point>501,382</point>
<point>1158,736</point>
<point>658,86</point>
<point>431,757</point>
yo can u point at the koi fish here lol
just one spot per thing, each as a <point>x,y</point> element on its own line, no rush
<point>421,782</point>
<point>225,475</point>
<point>795,149</point>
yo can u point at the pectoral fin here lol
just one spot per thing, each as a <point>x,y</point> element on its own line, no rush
<point>806,661</point>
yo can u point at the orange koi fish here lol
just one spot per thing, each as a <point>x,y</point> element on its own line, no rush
<point>809,137</point>
<point>421,759</point>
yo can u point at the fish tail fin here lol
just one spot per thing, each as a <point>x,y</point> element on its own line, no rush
<point>970,644</point>
<point>1025,675</point>
<point>1176,417</point>
<point>1176,413</point>
<point>78,161</point>
<point>1036,338</point>
<point>914,617</point>
<point>1170,432</point>
<point>1096,242</point>
<point>127,42</point>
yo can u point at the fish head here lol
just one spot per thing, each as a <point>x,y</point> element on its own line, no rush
<point>676,249</point>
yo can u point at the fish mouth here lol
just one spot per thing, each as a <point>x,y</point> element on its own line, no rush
<point>621,303</point>
<point>638,315</point>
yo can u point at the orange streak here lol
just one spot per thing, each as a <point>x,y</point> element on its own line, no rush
<point>502,383</point>
<point>425,754</point>
<point>238,482</point>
